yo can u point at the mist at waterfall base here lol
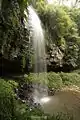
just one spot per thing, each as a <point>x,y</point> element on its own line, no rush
<point>40,94</point>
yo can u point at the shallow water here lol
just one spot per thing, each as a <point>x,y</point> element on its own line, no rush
<point>64,101</point>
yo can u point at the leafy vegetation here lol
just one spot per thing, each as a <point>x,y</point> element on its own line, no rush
<point>61,28</point>
<point>70,79</point>
<point>55,80</point>
<point>39,114</point>
<point>13,109</point>
<point>62,35</point>
<point>6,100</point>
<point>23,112</point>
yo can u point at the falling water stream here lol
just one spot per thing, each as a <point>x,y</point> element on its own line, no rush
<point>37,36</point>
<point>39,59</point>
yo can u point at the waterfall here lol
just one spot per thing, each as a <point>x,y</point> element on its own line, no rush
<point>37,36</point>
<point>39,59</point>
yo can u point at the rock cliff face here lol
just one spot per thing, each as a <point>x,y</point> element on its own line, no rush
<point>13,36</point>
<point>59,60</point>
<point>14,43</point>
<point>54,57</point>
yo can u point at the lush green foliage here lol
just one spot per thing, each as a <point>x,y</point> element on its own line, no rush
<point>6,100</point>
<point>23,112</point>
<point>12,109</point>
<point>70,79</point>
<point>13,35</point>
<point>55,80</point>
<point>75,15</point>
<point>52,80</point>
<point>62,28</point>
<point>37,113</point>
<point>62,33</point>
